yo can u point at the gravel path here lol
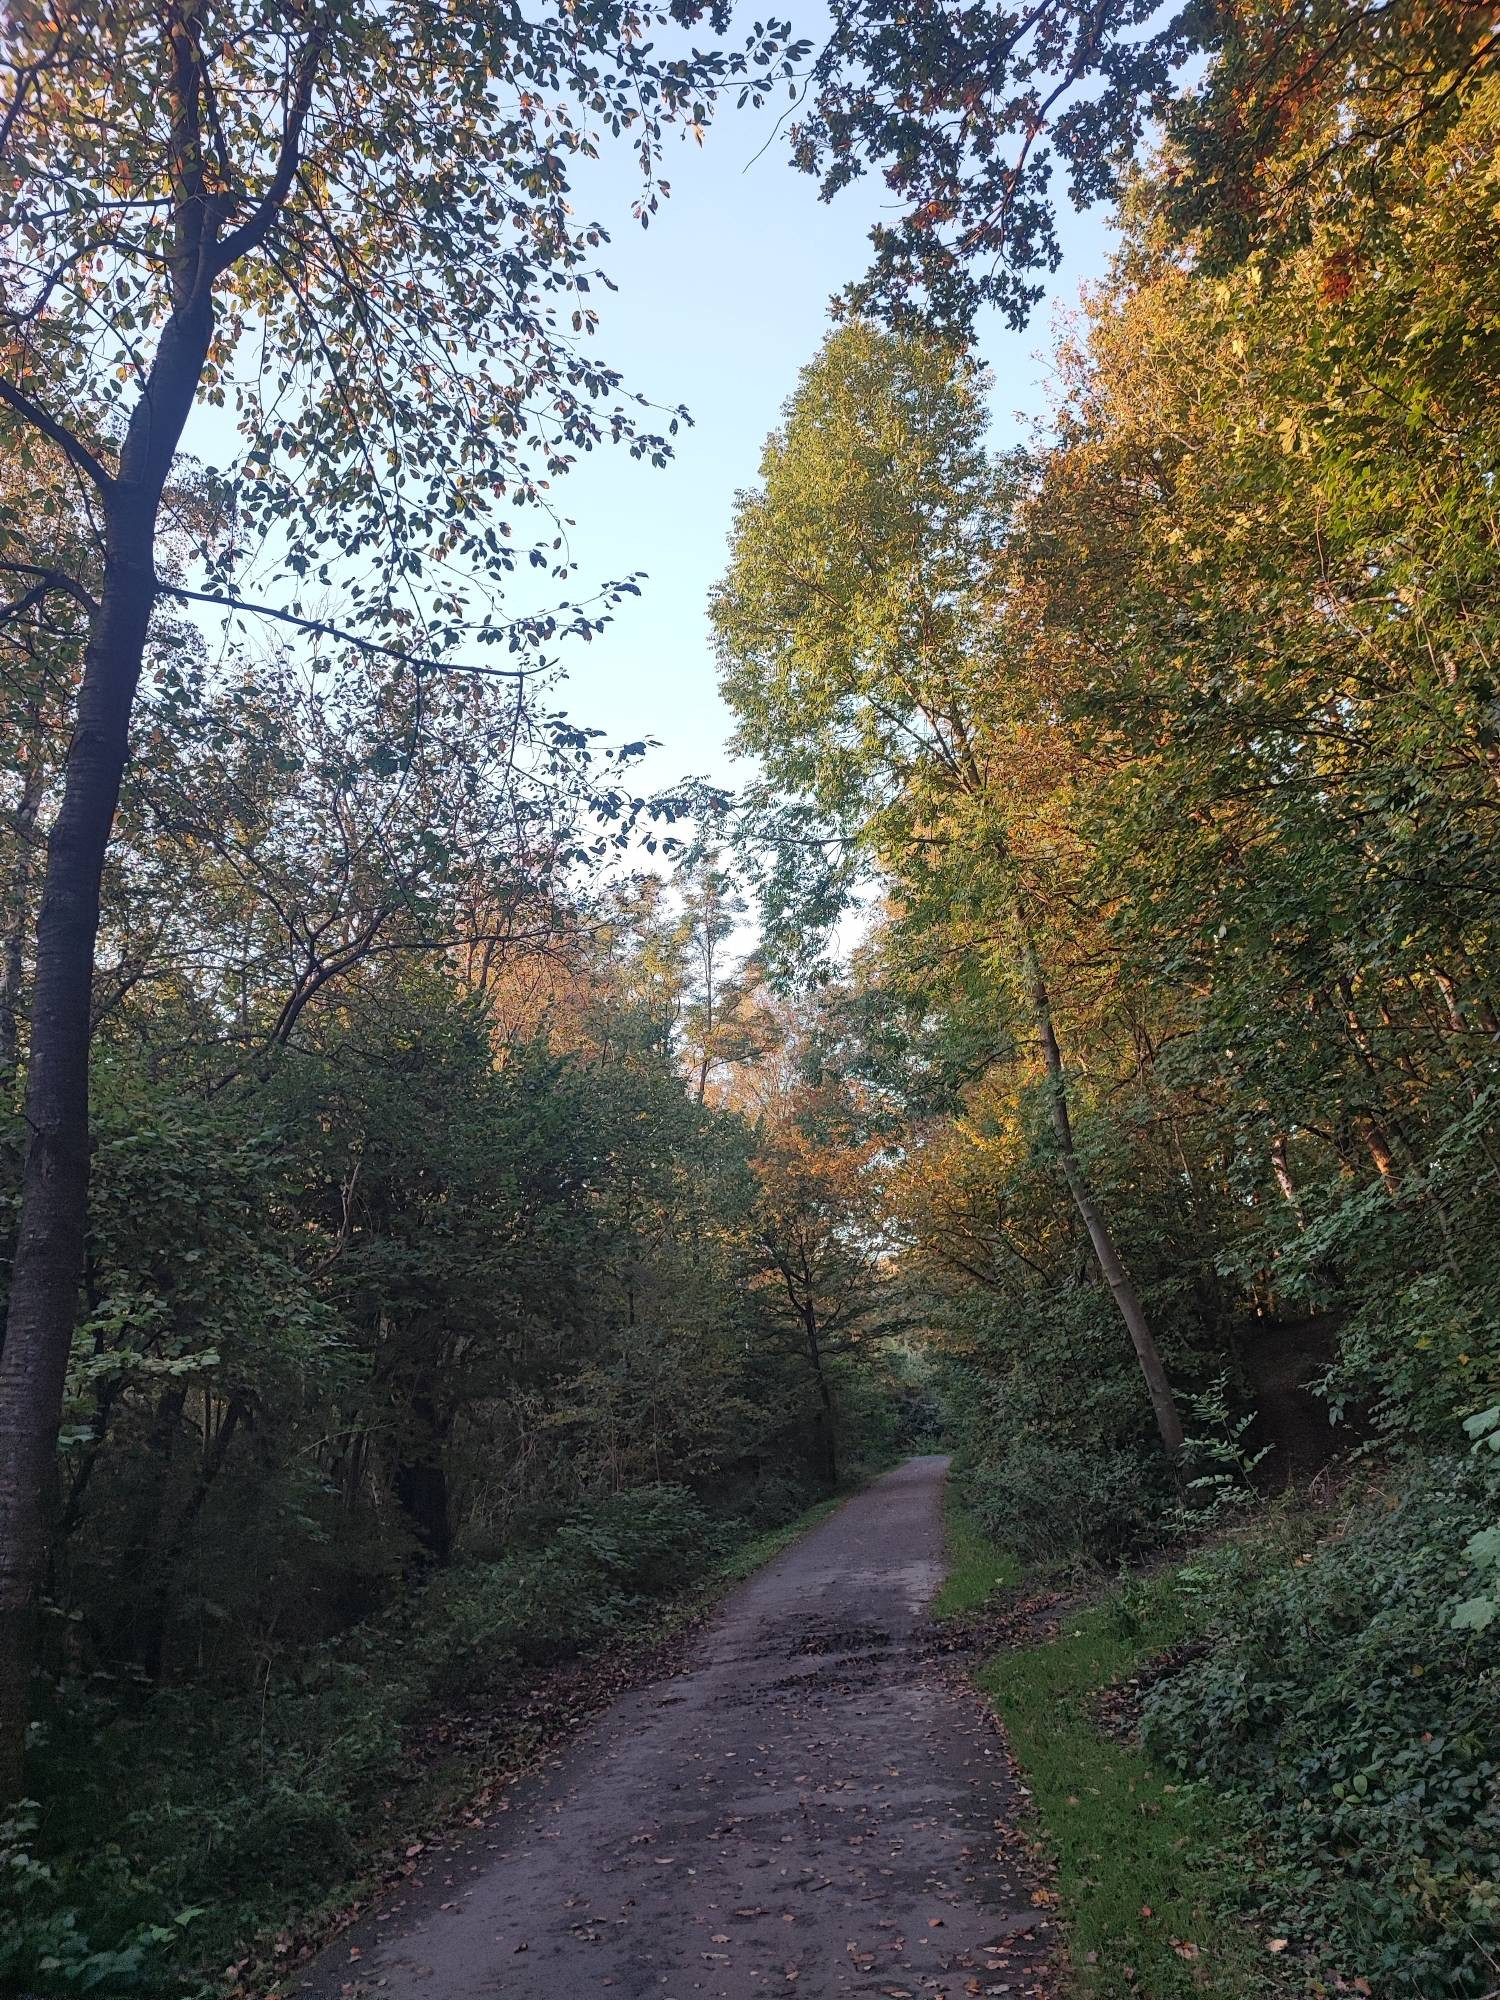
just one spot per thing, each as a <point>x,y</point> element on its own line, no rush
<point>811,1809</point>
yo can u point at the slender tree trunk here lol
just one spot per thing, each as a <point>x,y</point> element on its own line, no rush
<point>1168,1423</point>
<point>48,1262</point>
<point>49,1240</point>
<point>139,1564</point>
<point>157,1604</point>
<point>421,1476</point>
<point>827,1439</point>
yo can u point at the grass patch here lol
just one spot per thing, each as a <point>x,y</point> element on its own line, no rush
<point>1143,1880</point>
<point>977,1565</point>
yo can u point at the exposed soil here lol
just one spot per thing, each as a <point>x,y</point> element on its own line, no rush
<point>1013,1618</point>
<point>813,1804</point>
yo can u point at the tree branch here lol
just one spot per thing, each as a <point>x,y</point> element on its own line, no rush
<point>57,434</point>
<point>251,234</point>
<point>420,663</point>
<point>48,580</point>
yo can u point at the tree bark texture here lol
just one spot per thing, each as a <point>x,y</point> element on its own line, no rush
<point>50,1234</point>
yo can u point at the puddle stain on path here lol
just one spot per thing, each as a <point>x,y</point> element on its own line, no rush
<point>811,1808</point>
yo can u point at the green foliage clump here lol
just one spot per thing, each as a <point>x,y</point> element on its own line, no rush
<point>41,1938</point>
<point>1054,1501</point>
<point>1053,1456</point>
<point>1357,1725</point>
<point>603,1563</point>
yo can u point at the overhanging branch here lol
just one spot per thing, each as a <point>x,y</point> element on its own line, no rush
<point>57,434</point>
<point>322,628</point>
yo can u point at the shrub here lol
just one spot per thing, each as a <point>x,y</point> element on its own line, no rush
<point>298,1760</point>
<point>42,1938</point>
<point>1052,1502</point>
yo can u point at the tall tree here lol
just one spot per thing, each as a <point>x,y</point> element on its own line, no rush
<point>868,661</point>
<point>350,226</point>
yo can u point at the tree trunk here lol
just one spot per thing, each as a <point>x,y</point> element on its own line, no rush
<point>157,1606</point>
<point>1281,1168</point>
<point>50,1236</point>
<point>1168,1423</point>
<point>828,1449</point>
<point>48,1261</point>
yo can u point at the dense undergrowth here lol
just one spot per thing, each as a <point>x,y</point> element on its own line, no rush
<point>144,1875</point>
<point>1269,1762</point>
<point>1351,1725</point>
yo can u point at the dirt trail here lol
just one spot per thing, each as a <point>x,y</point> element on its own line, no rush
<point>810,1809</point>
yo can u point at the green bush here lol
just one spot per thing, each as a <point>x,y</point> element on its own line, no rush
<point>1359,1728</point>
<point>43,1940</point>
<point>1054,1502</point>
<point>606,1559</point>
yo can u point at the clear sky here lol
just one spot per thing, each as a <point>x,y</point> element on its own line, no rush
<point>720,303</point>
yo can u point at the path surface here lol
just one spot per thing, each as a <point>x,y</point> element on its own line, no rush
<point>809,1809</point>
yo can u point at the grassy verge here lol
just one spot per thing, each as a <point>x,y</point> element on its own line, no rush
<point>1143,1876</point>
<point>1145,1879</point>
<point>977,1565</point>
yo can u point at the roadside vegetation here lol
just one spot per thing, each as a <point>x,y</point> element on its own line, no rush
<point>1167,743</point>
<point>443,1213</point>
<point>1145,1882</point>
<point>1263,1761</point>
<point>978,1565</point>
<point>331,1786</point>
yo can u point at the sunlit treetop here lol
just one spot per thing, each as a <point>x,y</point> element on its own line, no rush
<point>983,118</point>
<point>967,111</point>
<point>1314,109</point>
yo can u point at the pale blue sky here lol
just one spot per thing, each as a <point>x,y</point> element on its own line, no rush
<point>720,303</point>
<point>718,306</point>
